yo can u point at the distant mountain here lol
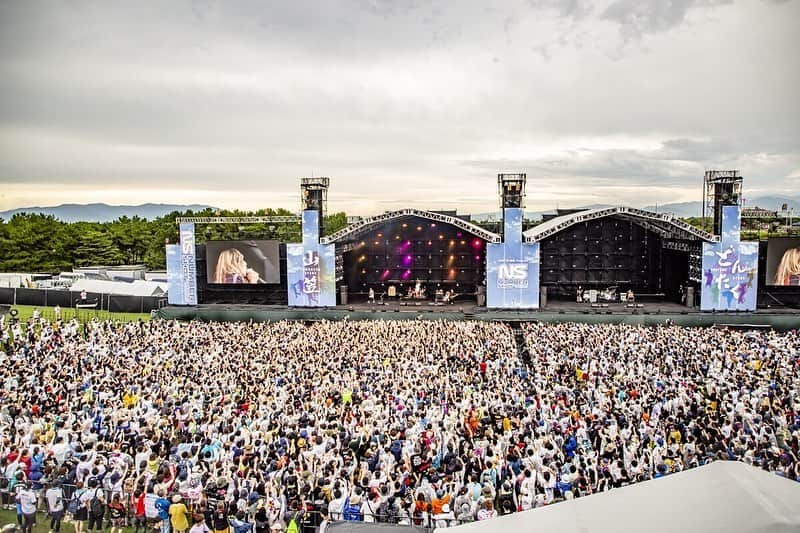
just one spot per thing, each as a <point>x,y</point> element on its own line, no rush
<point>532,215</point>
<point>773,203</point>
<point>692,209</point>
<point>103,212</point>
<point>679,209</point>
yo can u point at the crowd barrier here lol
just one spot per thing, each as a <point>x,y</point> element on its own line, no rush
<point>308,521</point>
<point>114,303</point>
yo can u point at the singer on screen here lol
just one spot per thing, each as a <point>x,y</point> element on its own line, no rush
<point>789,269</point>
<point>232,268</point>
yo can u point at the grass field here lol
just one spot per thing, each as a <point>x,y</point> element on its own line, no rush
<point>83,315</point>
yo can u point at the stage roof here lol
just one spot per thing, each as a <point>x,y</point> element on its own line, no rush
<point>723,497</point>
<point>666,225</point>
<point>353,231</point>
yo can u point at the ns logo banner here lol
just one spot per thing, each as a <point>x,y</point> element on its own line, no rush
<point>512,275</point>
<point>187,242</point>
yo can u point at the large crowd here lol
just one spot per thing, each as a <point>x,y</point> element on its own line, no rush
<point>190,426</point>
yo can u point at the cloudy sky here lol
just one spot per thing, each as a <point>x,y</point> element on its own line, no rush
<point>411,103</point>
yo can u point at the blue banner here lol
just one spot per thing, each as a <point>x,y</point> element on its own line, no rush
<point>174,275</point>
<point>512,267</point>
<point>311,267</point>
<point>730,268</point>
<point>188,264</point>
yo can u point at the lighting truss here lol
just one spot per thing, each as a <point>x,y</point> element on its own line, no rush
<point>364,225</point>
<point>239,220</point>
<point>665,224</point>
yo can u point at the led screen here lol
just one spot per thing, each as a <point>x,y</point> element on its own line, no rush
<point>235,262</point>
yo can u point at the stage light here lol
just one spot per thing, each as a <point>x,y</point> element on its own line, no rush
<point>433,225</point>
<point>405,225</point>
<point>419,228</point>
<point>463,242</point>
<point>380,234</point>
<point>429,243</point>
<point>441,237</point>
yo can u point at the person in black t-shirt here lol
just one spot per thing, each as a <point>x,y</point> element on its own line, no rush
<point>219,519</point>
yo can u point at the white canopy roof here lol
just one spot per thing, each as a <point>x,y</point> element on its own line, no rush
<point>724,497</point>
<point>128,288</point>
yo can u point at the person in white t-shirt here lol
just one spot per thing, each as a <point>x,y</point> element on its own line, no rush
<point>28,502</point>
<point>336,505</point>
<point>54,496</point>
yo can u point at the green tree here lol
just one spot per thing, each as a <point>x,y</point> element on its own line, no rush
<point>334,222</point>
<point>33,243</point>
<point>39,243</point>
<point>96,247</point>
<point>703,223</point>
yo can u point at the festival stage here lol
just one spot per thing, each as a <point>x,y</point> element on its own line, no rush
<point>649,314</point>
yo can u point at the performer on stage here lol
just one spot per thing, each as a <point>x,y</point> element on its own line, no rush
<point>449,296</point>
<point>371,297</point>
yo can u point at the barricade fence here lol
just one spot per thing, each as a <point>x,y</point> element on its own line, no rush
<point>308,521</point>
<point>114,303</point>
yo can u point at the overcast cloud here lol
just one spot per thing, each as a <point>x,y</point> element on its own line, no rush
<point>417,103</point>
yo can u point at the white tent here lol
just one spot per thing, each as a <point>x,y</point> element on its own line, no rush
<point>127,288</point>
<point>724,496</point>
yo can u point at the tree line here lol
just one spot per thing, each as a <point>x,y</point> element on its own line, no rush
<point>42,243</point>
